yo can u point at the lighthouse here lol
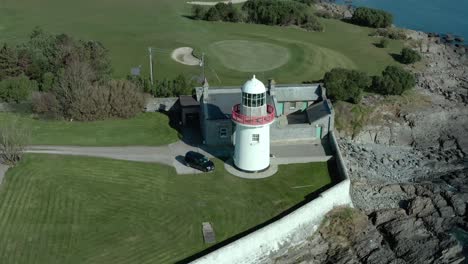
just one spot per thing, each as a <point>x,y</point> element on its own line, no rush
<point>253,117</point>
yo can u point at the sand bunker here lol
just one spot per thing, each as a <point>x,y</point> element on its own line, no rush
<point>214,3</point>
<point>185,56</point>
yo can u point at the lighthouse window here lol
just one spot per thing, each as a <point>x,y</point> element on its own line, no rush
<point>256,138</point>
<point>253,100</point>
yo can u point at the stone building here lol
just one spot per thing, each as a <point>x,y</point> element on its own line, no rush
<point>302,112</point>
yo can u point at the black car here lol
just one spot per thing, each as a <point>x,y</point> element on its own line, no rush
<point>198,161</point>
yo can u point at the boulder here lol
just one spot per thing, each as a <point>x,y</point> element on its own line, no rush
<point>384,216</point>
<point>421,207</point>
<point>458,201</point>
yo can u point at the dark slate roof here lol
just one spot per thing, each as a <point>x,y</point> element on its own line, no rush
<point>188,101</point>
<point>220,102</point>
<point>297,92</point>
<point>317,111</point>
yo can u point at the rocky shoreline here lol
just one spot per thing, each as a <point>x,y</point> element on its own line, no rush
<point>409,172</point>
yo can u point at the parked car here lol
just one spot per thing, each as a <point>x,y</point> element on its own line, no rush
<point>198,161</point>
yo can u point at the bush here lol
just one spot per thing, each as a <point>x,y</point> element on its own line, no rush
<point>394,81</point>
<point>369,17</point>
<point>307,2</point>
<point>45,104</point>
<point>391,33</point>
<point>198,12</point>
<point>14,137</point>
<point>383,43</point>
<point>275,12</point>
<point>325,14</point>
<point>409,56</point>
<point>223,12</point>
<point>124,99</point>
<point>311,23</point>
<point>346,85</point>
<point>16,89</point>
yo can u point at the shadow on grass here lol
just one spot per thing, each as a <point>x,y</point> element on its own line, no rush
<point>396,57</point>
<point>334,180</point>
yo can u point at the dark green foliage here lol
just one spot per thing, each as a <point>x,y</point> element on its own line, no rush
<point>283,13</point>
<point>346,85</point>
<point>370,17</point>
<point>172,88</point>
<point>391,33</point>
<point>16,89</point>
<point>223,12</point>
<point>44,55</point>
<point>311,23</point>
<point>307,2</point>
<point>48,82</point>
<point>198,12</point>
<point>383,43</point>
<point>409,56</point>
<point>394,80</point>
<point>324,14</point>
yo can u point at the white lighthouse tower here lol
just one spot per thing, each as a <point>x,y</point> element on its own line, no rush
<point>253,118</point>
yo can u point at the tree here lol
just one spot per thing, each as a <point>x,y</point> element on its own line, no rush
<point>16,89</point>
<point>370,17</point>
<point>409,56</point>
<point>346,85</point>
<point>198,12</point>
<point>395,80</point>
<point>383,43</point>
<point>213,14</point>
<point>125,100</point>
<point>14,137</point>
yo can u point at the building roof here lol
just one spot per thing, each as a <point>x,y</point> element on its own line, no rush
<point>220,102</point>
<point>188,101</point>
<point>254,86</point>
<point>317,111</point>
<point>297,92</point>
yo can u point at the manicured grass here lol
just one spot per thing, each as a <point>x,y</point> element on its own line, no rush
<point>60,209</point>
<point>128,28</point>
<point>150,129</point>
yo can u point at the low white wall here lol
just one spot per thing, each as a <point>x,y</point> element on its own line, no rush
<point>160,104</point>
<point>289,230</point>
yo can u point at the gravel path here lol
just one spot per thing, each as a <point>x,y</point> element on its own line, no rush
<point>3,170</point>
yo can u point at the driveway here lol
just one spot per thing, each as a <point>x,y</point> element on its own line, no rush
<point>171,154</point>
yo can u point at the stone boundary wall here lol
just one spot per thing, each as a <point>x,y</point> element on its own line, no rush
<point>288,230</point>
<point>161,104</point>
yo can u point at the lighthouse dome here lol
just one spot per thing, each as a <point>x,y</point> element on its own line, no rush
<point>254,86</point>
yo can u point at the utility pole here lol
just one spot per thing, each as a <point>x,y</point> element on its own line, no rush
<point>203,65</point>
<point>151,64</point>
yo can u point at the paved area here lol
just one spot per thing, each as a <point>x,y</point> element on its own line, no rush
<point>3,170</point>
<point>173,154</point>
<point>229,166</point>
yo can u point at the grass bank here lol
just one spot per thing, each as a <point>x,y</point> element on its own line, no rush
<point>61,209</point>
<point>149,129</point>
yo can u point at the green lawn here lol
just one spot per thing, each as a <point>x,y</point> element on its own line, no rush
<point>150,129</point>
<point>61,209</point>
<point>129,27</point>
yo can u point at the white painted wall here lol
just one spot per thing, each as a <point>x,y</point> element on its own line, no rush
<point>291,229</point>
<point>248,155</point>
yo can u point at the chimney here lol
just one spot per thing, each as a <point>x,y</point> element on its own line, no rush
<point>205,88</point>
<point>271,86</point>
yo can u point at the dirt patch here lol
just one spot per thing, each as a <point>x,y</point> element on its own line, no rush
<point>3,170</point>
<point>214,3</point>
<point>185,56</point>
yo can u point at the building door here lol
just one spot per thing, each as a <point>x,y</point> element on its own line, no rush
<point>280,109</point>
<point>318,132</point>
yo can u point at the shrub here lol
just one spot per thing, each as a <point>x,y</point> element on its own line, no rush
<point>213,14</point>
<point>394,81</point>
<point>14,137</point>
<point>198,12</point>
<point>369,17</point>
<point>346,85</point>
<point>46,104</point>
<point>307,2</point>
<point>325,14</point>
<point>275,12</point>
<point>383,43</point>
<point>311,23</point>
<point>16,89</point>
<point>124,99</point>
<point>391,33</point>
<point>409,56</point>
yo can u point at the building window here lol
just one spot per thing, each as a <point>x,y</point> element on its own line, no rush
<point>223,132</point>
<point>292,105</point>
<point>255,138</point>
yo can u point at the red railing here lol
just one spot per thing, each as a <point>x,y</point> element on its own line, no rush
<point>253,120</point>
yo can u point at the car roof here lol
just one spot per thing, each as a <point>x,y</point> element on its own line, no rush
<point>195,154</point>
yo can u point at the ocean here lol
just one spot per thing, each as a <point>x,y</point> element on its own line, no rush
<point>438,16</point>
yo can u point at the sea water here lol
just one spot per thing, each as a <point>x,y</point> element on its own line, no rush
<point>437,16</point>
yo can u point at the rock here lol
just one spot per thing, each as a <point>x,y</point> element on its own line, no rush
<point>439,201</point>
<point>421,207</point>
<point>458,201</point>
<point>379,256</point>
<point>384,216</point>
<point>446,212</point>
<point>409,189</point>
<point>390,189</point>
